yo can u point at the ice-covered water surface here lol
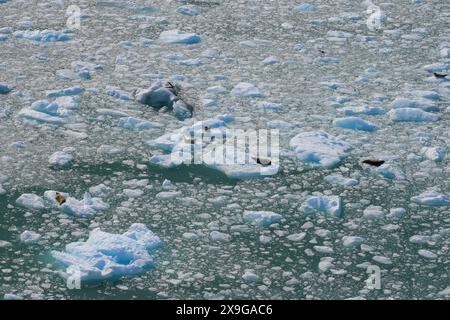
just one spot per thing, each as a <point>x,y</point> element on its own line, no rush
<point>343,88</point>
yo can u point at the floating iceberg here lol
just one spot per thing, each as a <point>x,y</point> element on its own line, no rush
<point>88,207</point>
<point>30,201</point>
<point>412,114</point>
<point>72,91</point>
<point>366,110</point>
<point>434,153</point>
<point>326,205</point>
<point>351,241</point>
<point>338,179</point>
<point>432,198</point>
<point>246,90</point>
<point>60,159</point>
<point>42,35</point>
<point>55,112</point>
<point>264,218</point>
<point>178,37</point>
<point>119,94</point>
<point>418,104</point>
<point>319,148</point>
<point>136,123</point>
<point>189,10</point>
<point>305,8</point>
<point>110,256</point>
<point>28,237</point>
<point>355,123</point>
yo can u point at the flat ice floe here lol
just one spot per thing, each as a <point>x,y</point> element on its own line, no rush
<point>355,123</point>
<point>43,35</point>
<point>319,148</point>
<point>412,114</point>
<point>110,256</point>
<point>246,90</point>
<point>56,112</point>
<point>179,37</point>
<point>432,198</point>
<point>264,218</point>
<point>30,201</point>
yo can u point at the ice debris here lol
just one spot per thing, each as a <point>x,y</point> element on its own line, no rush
<point>88,207</point>
<point>431,198</point>
<point>30,201</point>
<point>319,148</point>
<point>55,112</point>
<point>110,256</point>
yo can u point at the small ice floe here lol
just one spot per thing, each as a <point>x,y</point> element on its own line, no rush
<point>361,110</point>
<point>434,153</point>
<point>100,190</point>
<point>263,218</point>
<point>373,213</point>
<point>30,201</point>
<point>167,184</point>
<point>165,94</point>
<point>29,237</point>
<point>72,91</point>
<point>305,8</point>
<point>326,205</point>
<point>133,123</point>
<point>396,213</point>
<point>325,264</point>
<point>437,67</point>
<point>382,260</point>
<point>216,89</point>
<point>355,123</point>
<point>86,208</point>
<point>61,159</point>
<point>413,115</point>
<point>250,276</point>
<point>109,256</point>
<point>42,35</point>
<point>178,37</point>
<point>270,61</point>
<point>56,112</point>
<point>339,180</point>
<point>319,148</point>
<point>246,90</point>
<point>118,94</point>
<point>295,237</point>
<point>432,198</point>
<point>10,296</point>
<point>388,171</point>
<point>5,244</point>
<point>219,236</point>
<point>426,94</point>
<point>168,195</point>
<point>255,43</point>
<point>427,254</point>
<point>351,241</point>
<point>55,199</point>
<point>445,292</point>
<point>418,104</point>
<point>5,88</point>
<point>270,106</point>
<point>189,10</point>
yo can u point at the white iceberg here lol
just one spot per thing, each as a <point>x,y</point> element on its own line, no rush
<point>88,207</point>
<point>247,90</point>
<point>434,153</point>
<point>355,123</point>
<point>60,159</point>
<point>319,148</point>
<point>179,37</point>
<point>412,114</point>
<point>30,201</point>
<point>264,218</point>
<point>432,198</point>
<point>28,237</point>
<point>42,35</point>
<point>110,256</point>
<point>326,205</point>
<point>399,103</point>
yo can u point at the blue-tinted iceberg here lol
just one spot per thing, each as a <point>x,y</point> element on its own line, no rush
<point>413,115</point>
<point>246,90</point>
<point>432,198</point>
<point>179,37</point>
<point>355,123</point>
<point>42,35</point>
<point>30,201</point>
<point>264,218</point>
<point>105,256</point>
<point>326,205</point>
<point>4,88</point>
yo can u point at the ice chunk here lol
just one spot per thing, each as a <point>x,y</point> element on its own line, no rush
<point>427,254</point>
<point>88,207</point>
<point>270,106</point>
<point>179,37</point>
<point>319,148</point>
<point>250,276</point>
<point>182,110</point>
<point>10,296</point>
<point>100,190</point>
<point>110,256</point>
<point>5,244</point>
<point>4,88</point>
<point>387,171</point>
<point>40,116</point>
<point>137,123</point>
<point>396,213</point>
<point>157,96</point>
<point>28,237</point>
<point>270,61</point>
<point>366,110</point>
<point>189,10</point>
<point>432,198</point>
<point>50,197</point>
<point>412,114</point>
<point>72,91</point>
<point>355,123</point>
<point>338,179</point>
<point>399,103</point>
<point>296,236</point>
<point>426,94</point>
<point>445,53</point>
<point>30,201</point>
<point>373,213</point>
<point>220,236</point>
<point>60,159</point>
<point>245,89</point>
<point>434,153</point>
<point>326,205</point>
<point>42,35</point>
<point>437,67</point>
<point>382,259</point>
<point>351,241</point>
<point>167,195</point>
<point>264,218</point>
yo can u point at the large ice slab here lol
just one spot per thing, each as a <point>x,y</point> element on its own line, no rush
<point>106,255</point>
<point>432,198</point>
<point>412,115</point>
<point>319,148</point>
<point>326,205</point>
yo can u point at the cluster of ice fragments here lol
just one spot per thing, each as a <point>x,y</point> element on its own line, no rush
<point>110,256</point>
